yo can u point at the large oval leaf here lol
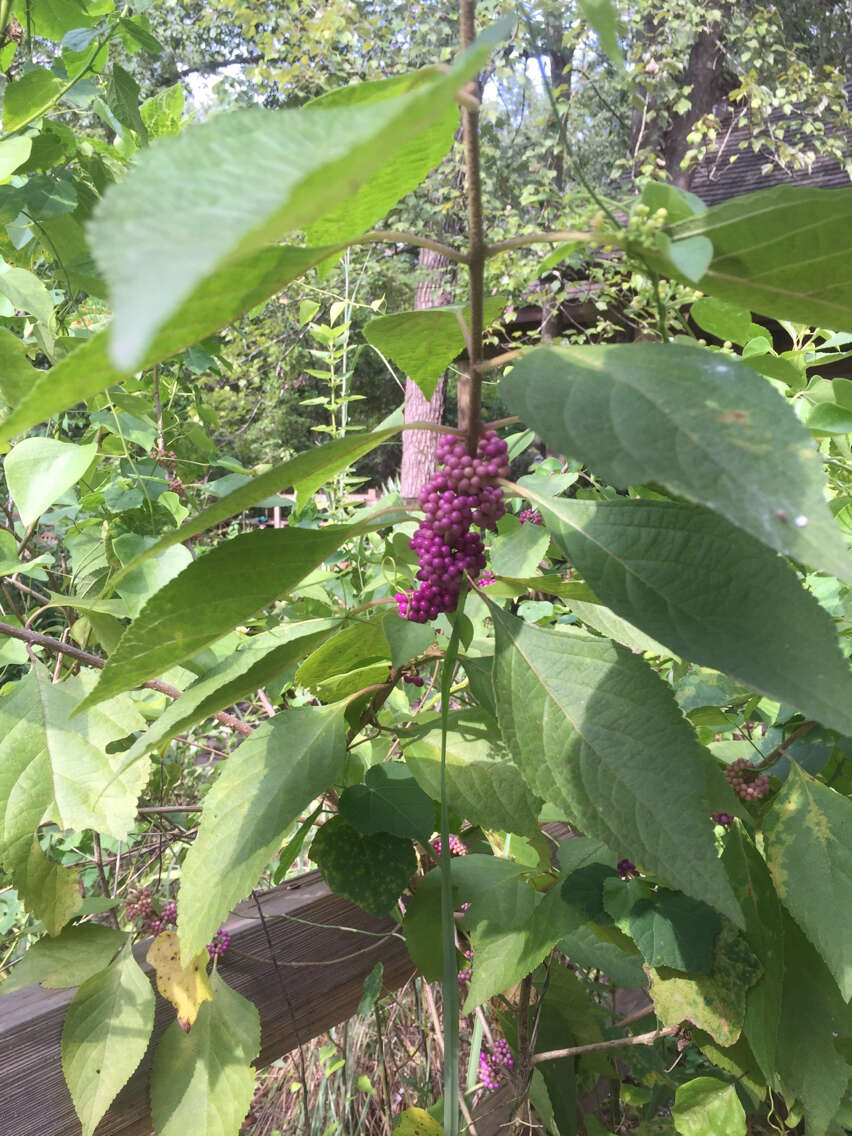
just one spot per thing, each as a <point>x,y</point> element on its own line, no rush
<point>711,593</point>
<point>701,424</point>
<point>595,731</point>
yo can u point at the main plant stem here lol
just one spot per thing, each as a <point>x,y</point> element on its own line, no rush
<point>470,382</point>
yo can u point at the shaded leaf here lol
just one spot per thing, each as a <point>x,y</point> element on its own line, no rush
<point>587,947</point>
<point>595,731</point>
<point>407,640</point>
<point>202,1081</point>
<point>275,774</point>
<point>390,800</point>
<point>670,929</point>
<point>711,593</point>
<point>808,839</point>
<point>48,890</point>
<point>725,321</point>
<point>518,552</point>
<point>704,426</point>
<point>372,989</point>
<point>105,1035</point>
<point>372,871</point>
<point>67,959</point>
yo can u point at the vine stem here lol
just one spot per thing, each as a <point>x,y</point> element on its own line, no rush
<point>616,1043</point>
<point>470,384</point>
<point>392,236</point>
<point>36,639</point>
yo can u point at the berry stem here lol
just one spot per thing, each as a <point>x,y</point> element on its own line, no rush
<point>780,750</point>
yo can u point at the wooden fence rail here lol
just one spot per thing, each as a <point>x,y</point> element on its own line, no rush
<point>322,961</point>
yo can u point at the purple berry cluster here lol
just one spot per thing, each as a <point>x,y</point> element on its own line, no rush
<point>530,517</point>
<point>457,846</point>
<point>465,975</point>
<point>724,819</point>
<point>744,779</point>
<point>413,679</point>
<point>459,495</point>
<point>219,943</point>
<point>142,907</point>
<point>486,578</point>
<point>626,869</point>
<point>490,1064</point>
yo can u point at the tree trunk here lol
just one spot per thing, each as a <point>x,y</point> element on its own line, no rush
<point>419,446</point>
<point>703,78</point>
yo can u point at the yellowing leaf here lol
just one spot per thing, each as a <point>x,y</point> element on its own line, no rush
<point>417,1122</point>
<point>186,987</point>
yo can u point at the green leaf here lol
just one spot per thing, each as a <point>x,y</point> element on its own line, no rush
<point>716,1002</point>
<point>829,418</point>
<point>224,188</point>
<point>764,932</point>
<point>390,800</point>
<point>48,890</point>
<point>145,40</point>
<point>704,426</point>
<point>27,293</point>
<point>407,167</point>
<point>407,640</point>
<point>419,925</point>
<point>226,294</point>
<point>361,643</point>
<point>163,112</point>
<point>122,97</point>
<point>601,16</point>
<point>586,947</point>
<point>40,470</point>
<point>690,256</point>
<point>372,989</point>
<point>13,153</point>
<point>706,1106</point>
<point>215,593</point>
<point>424,343</point>
<point>808,835</point>
<point>614,627</point>
<point>725,321</point>
<point>105,1035</point>
<point>417,1122</point>
<point>678,203</point>
<point>265,784</point>
<point>29,97</point>
<point>783,252</point>
<point>372,871</point>
<point>54,19</point>
<point>17,374</point>
<point>668,928</point>
<point>595,731</point>
<point>52,769</point>
<point>811,1069</point>
<point>202,1081</point>
<point>512,927</point>
<point>711,593</point>
<point>518,552</point>
<point>265,656</point>
<point>68,959</point>
<point>482,785</point>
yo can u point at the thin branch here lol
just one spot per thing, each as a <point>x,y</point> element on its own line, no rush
<point>639,1039</point>
<point>780,750</point>
<point>558,237</point>
<point>498,361</point>
<point>393,236</point>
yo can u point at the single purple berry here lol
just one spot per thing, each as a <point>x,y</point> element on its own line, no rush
<point>626,869</point>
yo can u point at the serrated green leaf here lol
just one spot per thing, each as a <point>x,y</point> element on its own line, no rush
<point>808,837</point>
<point>764,932</point>
<point>264,656</point>
<point>360,644</point>
<point>407,166</point>
<point>711,593</point>
<point>483,786</point>
<point>105,1035</point>
<point>55,769</point>
<point>811,1069</point>
<point>783,252</point>
<point>704,426</point>
<point>669,929</point>
<point>372,871</point>
<point>518,552</point>
<point>202,1081</point>
<point>407,640</point>
<point>372,989</point>
<point>67,959</point>
<point>54,19</point>
<point>39,470</point>
<point>585,947</point>
<point>424,343</point>
<point>215,593</point>
<point>706,1106</point>
<point>224,188</point>
<point>595,731</point>
<point>285,764</point>
<point>390,800</point>
<point>714,1002</point>
<point>122,97</point>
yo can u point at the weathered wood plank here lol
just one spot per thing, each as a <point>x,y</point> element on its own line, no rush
<point>317,984</point>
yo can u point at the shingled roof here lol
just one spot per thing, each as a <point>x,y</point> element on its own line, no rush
<point>718,178</point>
